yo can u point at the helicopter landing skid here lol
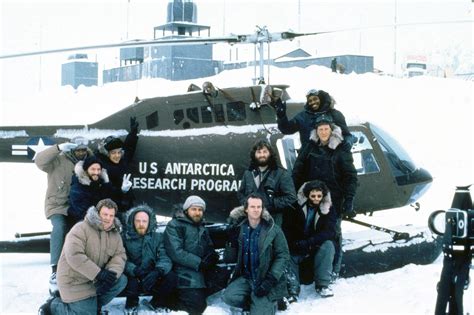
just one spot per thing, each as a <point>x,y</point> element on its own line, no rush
<point>394,234</point>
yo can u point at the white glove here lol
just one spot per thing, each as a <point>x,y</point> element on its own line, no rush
<point>126,183</point>
<point>67,146</point>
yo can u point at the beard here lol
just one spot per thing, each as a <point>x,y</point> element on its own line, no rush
<point>262,161</point>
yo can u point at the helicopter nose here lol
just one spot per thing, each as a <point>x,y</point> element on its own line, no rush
<point>422,180</point>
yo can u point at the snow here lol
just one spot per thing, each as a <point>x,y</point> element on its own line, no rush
<point>430,117</point>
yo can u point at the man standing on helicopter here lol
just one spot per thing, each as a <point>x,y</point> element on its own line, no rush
<point>116,156</point>
<point>318,102</point>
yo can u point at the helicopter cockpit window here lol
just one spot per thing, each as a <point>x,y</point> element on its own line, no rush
<point>178,116</point>
<point>219,112</point>
<point>206,114</point>
<point>236,111</point>
<point>399,161</point>
<point>363,155</point>
<point>193,114</point>
<point>152,120</point>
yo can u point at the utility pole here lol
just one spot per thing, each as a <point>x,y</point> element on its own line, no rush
<point>395,41</point>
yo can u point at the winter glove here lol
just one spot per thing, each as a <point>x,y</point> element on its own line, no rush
<point>348,208</point>
<point>126,183</point>
<point>265,286</point>
<point>209,261</point>
<point>133,125</point>
<point>347,145</point>
<point>139,272</point>
<point>280,108</point>
<point>105,279</point>
<point>67,146</point>
<point>303,247</point>
<point>150,279</point>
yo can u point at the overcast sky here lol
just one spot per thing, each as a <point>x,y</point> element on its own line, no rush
<point>33,25</point>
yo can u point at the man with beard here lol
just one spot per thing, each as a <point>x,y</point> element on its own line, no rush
<point>58,162</point>
<point>264,178</point>
<point>311,233</point>
<point>318,102</point>
<point>191,250</point>
<point>90,184</point>
<point>148,267</point>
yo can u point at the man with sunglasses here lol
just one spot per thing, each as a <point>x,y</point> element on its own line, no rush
<point>311,236</point>
<point>318,102</point>
<point>116,156</point>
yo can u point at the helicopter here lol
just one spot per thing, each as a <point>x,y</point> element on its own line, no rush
<point>197,142</point>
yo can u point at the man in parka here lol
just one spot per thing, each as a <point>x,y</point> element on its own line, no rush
<point>116,156</point>
<point>58,162</point>
<point>90,184</point>
<point>91,264</point>
<point>324,159</point>
<point>191,250</point>
<point>148,267</point>
<point>272,183</point>
<point>258,281</point>
<point>311,232</point>
<point>318,102</point>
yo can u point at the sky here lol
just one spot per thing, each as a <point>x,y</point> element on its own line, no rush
<point>406,108</point>
<point>36,25</point>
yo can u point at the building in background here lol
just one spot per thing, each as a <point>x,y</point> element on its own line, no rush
<point>79,70</point>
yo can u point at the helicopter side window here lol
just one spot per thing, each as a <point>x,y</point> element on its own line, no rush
<point>193,114</point>
<point>152,120</point>
<point>178,116</point>
<point>206,114</point>
<point>236,111</point>
<point>219,112</point>
<point>363,155</point>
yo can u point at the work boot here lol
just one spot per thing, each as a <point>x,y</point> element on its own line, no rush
<point>45,309</point>
<point>324,291</point>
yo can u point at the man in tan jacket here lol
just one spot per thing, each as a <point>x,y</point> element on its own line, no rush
<point>91,264</point>
<point>58,162</point>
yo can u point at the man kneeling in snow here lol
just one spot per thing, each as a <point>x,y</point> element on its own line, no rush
<point>91,264</point>
<point>311,233</point>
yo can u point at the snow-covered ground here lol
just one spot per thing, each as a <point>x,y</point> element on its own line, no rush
<point>430,117</point>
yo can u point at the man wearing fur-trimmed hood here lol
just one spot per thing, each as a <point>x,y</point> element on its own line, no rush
<point>311,233</point>
<point>91,264</point>
<point>258,281</point>
<point>148,267</point>
<point>324,159</point>
<point>90,184</point>
<point>318,102</point>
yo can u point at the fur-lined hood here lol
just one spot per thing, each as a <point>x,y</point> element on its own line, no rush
<point>131,232</point>
<point>84,178</point>
<point>238,215</point>
<point>324,206</point>
<point>327,103</point>
<point>94,220</point>
<point>335,139</point>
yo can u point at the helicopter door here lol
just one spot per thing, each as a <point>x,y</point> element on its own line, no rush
<point>288,146</point>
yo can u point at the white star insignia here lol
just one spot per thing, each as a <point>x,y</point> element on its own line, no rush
<point>40,146</point>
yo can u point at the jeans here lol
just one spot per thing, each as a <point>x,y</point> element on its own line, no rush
<point>58,234</point>
<point>338,255</point>
<point>89,305</point>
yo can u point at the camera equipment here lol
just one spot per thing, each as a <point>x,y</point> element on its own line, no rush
<point>458,249</point>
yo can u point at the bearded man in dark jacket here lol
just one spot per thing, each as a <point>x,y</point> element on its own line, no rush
<point>272,183</point>
<point>148,267</point>
<point>324,159</point>
<point>311,234</point>
<point>318,102</point>
<point>189,245</point>
<point>89,185</point>
<point>258,281</point>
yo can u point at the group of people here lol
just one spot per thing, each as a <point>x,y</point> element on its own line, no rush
<point>288,225</point>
